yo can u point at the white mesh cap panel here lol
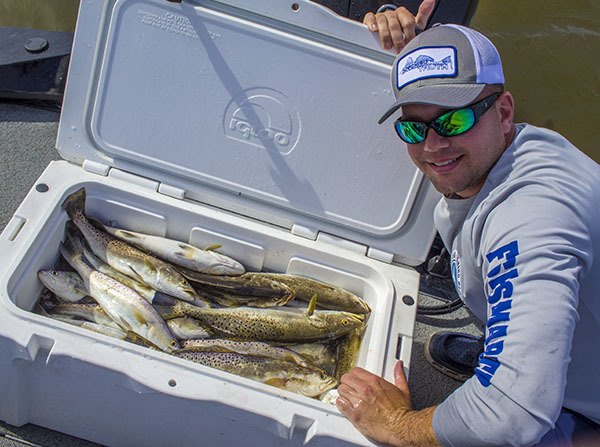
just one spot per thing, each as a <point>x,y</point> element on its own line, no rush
<point>487,59</point>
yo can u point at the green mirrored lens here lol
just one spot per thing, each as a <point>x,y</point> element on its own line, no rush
<point>455,122</point>
<point>411,131</point>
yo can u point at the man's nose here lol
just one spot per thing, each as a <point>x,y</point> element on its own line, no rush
<point>434,141</point>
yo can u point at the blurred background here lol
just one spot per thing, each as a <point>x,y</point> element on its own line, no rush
<point>549,48</point>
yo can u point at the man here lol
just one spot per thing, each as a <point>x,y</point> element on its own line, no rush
<point>520,215</point>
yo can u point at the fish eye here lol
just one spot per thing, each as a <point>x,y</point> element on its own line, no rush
<point>345,322</point>
<point>174,343</point>
<point>53,272</point>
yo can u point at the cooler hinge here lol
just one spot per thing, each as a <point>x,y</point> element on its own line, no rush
<point>171,191</point>
<point>357,248</point>
<point>134,179</point>
<point>305,232</point>
<point>95,168</point>
<point>380,255</point>
<point>342,243</point>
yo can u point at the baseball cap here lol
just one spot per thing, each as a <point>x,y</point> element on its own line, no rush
<point>446,65</point>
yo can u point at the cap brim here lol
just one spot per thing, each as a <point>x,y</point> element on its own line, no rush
<point>448,95</point>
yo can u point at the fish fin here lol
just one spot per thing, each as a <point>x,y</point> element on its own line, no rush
<point>312,305</point>
<point>186,252</point>
<point>213,247</point>
<point>139,317</point>
<point>124,234</point>
<point>137,275</point>
<point>75,203</point>
<point>95,222</point>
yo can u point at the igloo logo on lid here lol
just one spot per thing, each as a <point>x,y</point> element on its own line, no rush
<point>263,118</point>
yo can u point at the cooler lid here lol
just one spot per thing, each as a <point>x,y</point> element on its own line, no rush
<point>268,108</point>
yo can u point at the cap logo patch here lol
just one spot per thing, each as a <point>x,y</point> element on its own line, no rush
<point>426,62</point>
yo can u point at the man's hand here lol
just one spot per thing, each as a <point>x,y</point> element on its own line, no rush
<point>397,28</point>
<point>383,411</point>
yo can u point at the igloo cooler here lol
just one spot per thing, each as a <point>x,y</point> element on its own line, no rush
<point>252,125</point>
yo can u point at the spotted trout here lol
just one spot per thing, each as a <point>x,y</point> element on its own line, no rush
<point>269,324</point>
<point>180,253</point>
<point>124,305</point>
<point>279,373</point>
<point>126,259</point>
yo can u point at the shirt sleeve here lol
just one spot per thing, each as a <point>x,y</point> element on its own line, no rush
<point>533,248</point>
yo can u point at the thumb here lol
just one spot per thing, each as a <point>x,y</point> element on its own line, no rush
<point>424,12</point>
<point>399,376</point>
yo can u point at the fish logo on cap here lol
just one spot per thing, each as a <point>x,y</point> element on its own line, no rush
<point>426,62</point>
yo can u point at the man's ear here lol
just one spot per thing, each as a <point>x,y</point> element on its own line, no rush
<point>506,108</point>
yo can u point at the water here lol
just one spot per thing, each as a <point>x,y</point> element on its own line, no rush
<point>549,48</point>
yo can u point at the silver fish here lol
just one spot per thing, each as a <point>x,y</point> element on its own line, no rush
<point>286,375</point>
<point>68,286</point>
<point>246,347</point>
<point>106,330</point>
<point>89,312</point>
<point>180,253</point>
<point>125,258</point>
<point>110,331</point>
<point>124,305</point>
<point>142,288</point>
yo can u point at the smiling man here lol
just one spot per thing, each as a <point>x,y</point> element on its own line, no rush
<point>520,215</point>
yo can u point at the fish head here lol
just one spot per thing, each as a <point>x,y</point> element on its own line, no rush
<point>55,279</point>
<point>164,339</point>
<point>343,322</point>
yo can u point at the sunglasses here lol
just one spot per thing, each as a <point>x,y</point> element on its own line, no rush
<point>448,124</point>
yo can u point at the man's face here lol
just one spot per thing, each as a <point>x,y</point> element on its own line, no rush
<point>460,164</point>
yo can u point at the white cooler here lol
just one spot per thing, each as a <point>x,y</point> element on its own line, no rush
<point>247,124</point>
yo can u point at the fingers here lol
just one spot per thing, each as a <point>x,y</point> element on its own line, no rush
<point>400,378</point>
<point>370,21</point>
<point>423,14</point>
<point>396,28</point>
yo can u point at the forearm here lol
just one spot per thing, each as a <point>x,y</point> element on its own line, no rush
<point>415,429</point>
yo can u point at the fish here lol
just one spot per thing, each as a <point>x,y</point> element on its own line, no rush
<point>250,284</point>
<point>110,331</point>
<point>185,328</point>
<point>123,304</point>
<point>235,300</point>
<point>180,253</point>
<point>142,288</point>
<point>246,347</point>
<point>268,284</point>
<point>105,330</point>
<point>347,352</point>
<point>126,259</point>
<point>329,296</point>
<point>68,286</point>
<point>89,312</point>
<point>279,373</point>
<point>320,354</point>
<point>278,325</point>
